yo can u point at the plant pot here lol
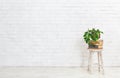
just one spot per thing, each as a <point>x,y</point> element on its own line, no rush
<point>96,44</point>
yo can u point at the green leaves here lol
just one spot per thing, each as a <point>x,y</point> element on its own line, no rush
<point>93,34</point>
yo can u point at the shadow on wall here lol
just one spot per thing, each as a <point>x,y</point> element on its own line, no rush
<point>83,52</point>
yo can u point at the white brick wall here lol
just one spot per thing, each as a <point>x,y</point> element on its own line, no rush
<point>49,32</point>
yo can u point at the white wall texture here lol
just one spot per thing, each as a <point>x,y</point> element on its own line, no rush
<point>49,32</point>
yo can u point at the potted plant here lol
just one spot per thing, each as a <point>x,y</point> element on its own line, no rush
<point>92,38</point>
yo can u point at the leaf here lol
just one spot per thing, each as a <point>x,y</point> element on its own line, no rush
<point>92,34</point>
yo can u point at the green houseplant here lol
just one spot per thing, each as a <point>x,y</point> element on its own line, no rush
<point>92,37</point>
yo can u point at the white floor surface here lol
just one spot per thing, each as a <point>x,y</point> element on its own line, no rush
<point>57,72</point>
